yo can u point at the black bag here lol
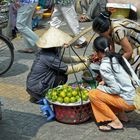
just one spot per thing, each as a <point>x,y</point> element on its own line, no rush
<point>96,7</point>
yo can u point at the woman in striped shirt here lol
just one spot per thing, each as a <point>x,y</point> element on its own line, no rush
<point>124,32</point>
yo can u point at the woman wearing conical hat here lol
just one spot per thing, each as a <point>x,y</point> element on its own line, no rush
<point>49,68</point>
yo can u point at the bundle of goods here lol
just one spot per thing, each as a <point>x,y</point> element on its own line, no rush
<point>4,8</point>
<point>70,103</point>
<point>136,3</point>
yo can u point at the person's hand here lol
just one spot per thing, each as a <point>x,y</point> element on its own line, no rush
<point>101,83</point>
<point>65,45</point>
<point>94,58</point>
<point>17,4</point>
<point>85,58</point>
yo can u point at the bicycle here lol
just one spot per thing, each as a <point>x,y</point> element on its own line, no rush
<point>6,46</point>
<point>6,54</point>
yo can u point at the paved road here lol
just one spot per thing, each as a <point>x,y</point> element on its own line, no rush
<point>23,120</point>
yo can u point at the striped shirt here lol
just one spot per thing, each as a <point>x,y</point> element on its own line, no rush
<point>126,28</point>
<point>63,2</point>
<point>28,1</point>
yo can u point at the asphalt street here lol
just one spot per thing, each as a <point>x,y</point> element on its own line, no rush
<point>22,120</point>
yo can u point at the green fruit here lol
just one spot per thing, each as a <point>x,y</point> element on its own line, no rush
<point>69,89</point>
<point>65,86</point>
<point>60,99</point>
<point>66,100</point>
<point>65,90</point>
<point>77,89</point>
<point>69,94</point>
<point>54,98</point>
<point>78,98</point>
<point>84,97</point>
<point>49,97</point>
<point>74,93</point>
<point>73,99</point>
<point>54,93</point>
<point>62,94</point>
<point>85,91</point>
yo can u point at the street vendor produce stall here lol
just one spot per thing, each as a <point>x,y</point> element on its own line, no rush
<point>70,102</point>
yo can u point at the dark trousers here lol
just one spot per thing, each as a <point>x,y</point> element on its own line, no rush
<point>60,80</point>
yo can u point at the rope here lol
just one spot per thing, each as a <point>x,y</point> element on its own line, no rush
<point>88,44</point>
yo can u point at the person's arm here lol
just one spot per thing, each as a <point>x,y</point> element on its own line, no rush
<point>128,50</point>
<point>74,59</point>
<point>77,67</point>
<point>57,65</point>
<point>120,36</point>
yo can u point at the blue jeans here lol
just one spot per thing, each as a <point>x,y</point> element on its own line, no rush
<point>24,24</point>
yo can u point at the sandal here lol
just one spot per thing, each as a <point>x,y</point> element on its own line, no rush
<point>26,51</point>
<point>33,100</point>
<point>113,128</point>
<point>104,128</point>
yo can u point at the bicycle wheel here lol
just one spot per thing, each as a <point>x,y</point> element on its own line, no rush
<point>6,54</point>
<point>137,71</point>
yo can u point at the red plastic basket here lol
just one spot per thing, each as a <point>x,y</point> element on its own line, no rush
<point>72,114</point>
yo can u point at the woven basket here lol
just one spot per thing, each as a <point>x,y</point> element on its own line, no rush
<point>72,114</point>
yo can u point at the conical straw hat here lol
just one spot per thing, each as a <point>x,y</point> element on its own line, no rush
<point>53,37</point>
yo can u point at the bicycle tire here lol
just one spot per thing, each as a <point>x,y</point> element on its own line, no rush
<point>137,70</point>
<point>6,54</point>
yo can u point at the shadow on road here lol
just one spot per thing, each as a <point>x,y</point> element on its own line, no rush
<point>134,120</point>
<point>16,69</point>
<point>20,125</point>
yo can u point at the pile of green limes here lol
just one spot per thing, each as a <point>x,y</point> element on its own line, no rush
<point>67,94</point>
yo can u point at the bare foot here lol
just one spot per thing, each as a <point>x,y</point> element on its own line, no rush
<point>123,117</point>
<point>116,124</point>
